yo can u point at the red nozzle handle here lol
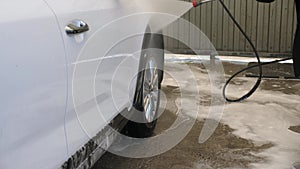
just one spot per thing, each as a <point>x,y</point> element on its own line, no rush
<point>195,3</point>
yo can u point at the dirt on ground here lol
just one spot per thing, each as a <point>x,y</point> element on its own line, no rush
<point>295,129</point>
<point>225,149</point>
<point>222,150</point>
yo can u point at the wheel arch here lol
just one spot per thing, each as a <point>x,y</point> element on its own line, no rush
<point>150,41</point>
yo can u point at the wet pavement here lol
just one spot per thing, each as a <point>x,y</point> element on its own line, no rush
<point>262,132</point>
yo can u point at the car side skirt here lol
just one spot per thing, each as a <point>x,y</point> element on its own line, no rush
<point>91,152</point>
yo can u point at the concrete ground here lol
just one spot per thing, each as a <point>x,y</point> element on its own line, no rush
<point>261,132</point>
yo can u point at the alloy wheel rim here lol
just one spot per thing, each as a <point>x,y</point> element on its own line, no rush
<point>150,91</point>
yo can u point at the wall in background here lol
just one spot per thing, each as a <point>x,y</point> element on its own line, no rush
<point>270,26</point>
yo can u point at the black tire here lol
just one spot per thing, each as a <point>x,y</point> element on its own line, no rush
<point>155,54</point>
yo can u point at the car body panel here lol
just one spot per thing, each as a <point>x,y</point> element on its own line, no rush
<point>59,91</point>
<point>33,87</point>
<point>101,74</point>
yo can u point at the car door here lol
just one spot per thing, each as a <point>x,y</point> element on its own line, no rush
<point>33,88</point>
<point>102,62</point>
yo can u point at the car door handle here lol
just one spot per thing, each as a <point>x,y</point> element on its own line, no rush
<point>77,27</point>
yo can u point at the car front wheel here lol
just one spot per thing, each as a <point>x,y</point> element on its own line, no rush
<point>147,99</point>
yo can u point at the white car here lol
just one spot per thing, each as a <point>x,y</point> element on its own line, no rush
<point>68,69</point>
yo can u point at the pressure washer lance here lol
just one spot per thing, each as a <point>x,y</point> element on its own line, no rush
<point>259,65</point>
